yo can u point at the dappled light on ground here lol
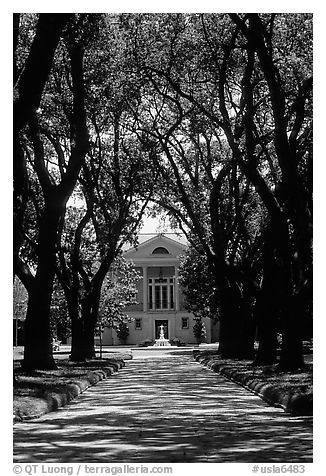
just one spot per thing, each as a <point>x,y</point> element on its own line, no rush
<point>165,410</point>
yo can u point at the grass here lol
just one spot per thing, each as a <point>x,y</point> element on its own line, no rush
<point>43,391</point>
<point>292,391</point>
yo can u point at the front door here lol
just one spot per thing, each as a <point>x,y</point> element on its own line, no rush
<point>158,324</point>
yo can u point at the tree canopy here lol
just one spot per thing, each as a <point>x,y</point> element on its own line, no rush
<point>206,116</point>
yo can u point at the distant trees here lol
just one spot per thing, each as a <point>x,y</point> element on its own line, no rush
<point>59,318</point>
<point>123,332</point>
<point>199,330</point>
<point>118,292</point>
<point>20,299</point>
<point>197,281</point>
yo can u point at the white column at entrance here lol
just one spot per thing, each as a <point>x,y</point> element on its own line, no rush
<point>169,295</point>
<point>176,288</point>
<point>145,288</point>
<point>153,295</point>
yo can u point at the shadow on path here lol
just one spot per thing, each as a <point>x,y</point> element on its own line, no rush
<point>169,410</point>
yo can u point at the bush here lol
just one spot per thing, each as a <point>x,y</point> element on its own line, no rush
<point>199,330</point>
<point>177,342</point>
<point>123,332</point>
<point>146,342</point>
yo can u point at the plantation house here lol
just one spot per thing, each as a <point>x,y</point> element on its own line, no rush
<point>159,300</point>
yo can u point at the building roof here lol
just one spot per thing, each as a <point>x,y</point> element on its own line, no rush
<point>143,253</point>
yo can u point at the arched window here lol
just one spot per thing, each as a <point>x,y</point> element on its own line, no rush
<point>160,251</point>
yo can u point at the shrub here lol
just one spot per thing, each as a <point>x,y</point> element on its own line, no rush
<point>199,330</point>
<point>123,332</point>
<point>146,342</point>
<point>177,342</point>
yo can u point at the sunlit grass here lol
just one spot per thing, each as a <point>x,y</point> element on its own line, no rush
<point>47,390</point>
<point>291,390</point>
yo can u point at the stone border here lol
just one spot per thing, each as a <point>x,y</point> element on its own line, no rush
<point>297,404</point>
<point>52,401</point>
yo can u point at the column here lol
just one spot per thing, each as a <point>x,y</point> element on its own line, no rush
<point>172,325</point>
<point>168,294</point>
<point>145,288</point>
<point>176,288</point>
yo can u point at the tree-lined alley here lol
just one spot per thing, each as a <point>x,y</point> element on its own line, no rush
<point>205,116</point>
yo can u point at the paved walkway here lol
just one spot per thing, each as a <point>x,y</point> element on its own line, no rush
<point>168,409</point>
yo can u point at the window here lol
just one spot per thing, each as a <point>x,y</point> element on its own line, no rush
<point>138,323</point>
<point>160,251</point>
<point>185,323</point>
<point>161,293</point>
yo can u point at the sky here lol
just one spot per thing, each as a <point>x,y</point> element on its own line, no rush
<point>152,226</point>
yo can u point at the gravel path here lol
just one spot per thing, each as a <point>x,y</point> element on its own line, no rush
<point>165,409</point>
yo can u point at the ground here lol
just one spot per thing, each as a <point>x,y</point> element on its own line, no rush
<point>165,407</point>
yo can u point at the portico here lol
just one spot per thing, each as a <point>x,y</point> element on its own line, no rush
<point>160,288</point>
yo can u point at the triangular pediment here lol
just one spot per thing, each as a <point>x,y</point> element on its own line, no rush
<point>157,244</point>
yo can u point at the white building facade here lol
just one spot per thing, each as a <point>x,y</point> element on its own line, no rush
<point>159,300</point>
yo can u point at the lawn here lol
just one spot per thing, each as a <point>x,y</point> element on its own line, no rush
<point>42,391</point>
<point>292,391</point>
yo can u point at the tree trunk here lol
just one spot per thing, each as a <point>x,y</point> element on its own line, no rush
<point>236,341</point>
<point>232,343</point>
<point>77,327</point>
<point>90,315</point>
<point>267,332</point>
<point>291,352</point>
<point>82,328</point>
<point>248,328</point>
<point>91,304</point>
<point>90,324</point>
<point>77,340</point>
<point>38,339</point>
<point>268,303</point>
<point>291,308</point>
